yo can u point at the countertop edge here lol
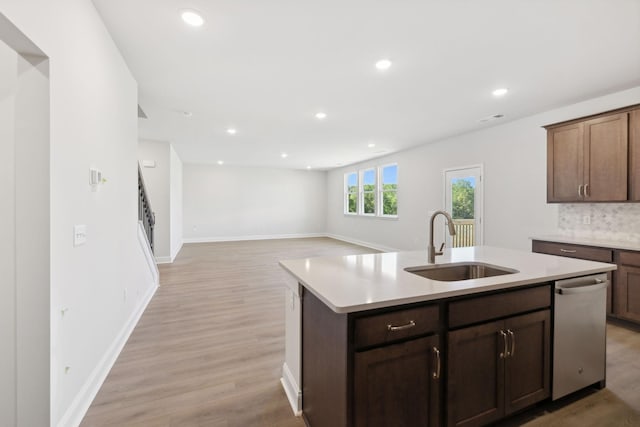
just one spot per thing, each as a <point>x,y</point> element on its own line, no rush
<point>445,294</point>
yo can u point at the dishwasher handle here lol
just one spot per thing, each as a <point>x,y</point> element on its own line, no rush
<point>592,286</point>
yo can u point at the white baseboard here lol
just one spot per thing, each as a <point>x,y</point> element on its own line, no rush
<point>169,259</point>
<point>292,390</point>
<point>254,237</point>
<point>177,251</point>
<point>375,246</point>
<point>80,404</point>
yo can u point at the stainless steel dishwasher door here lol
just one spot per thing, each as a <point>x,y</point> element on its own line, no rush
<point>579,339</point>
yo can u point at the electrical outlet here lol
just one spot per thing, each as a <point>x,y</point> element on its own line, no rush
<point>586,219</point>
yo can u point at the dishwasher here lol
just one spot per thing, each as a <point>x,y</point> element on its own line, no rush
<point>579,333</point>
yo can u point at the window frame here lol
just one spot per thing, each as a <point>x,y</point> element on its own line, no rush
<point>381,190</point>
<point>362,191</point>
<point>378,192</point>
<point>347,193</point>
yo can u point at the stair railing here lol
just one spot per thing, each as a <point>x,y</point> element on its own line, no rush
<point>145,213</point>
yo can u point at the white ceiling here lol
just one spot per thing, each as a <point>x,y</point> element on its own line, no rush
<point>266,67</point>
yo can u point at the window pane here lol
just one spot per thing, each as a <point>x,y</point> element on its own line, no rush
<point>390,176</point>
<point>370,203</point>
<point>389,203</point>
<point>369,177</point>
<point>463,198</point>
<point>353,203</point>
<point>352,179</point>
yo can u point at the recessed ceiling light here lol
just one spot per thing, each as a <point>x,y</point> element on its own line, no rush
<point>321,115</point>
<point>371,145</point>
<point>500,92</point>
<point>220,162</point>
<point>232,131</point>
<point>187,113</point>
<point>383,64</point>
<point>284,155</point>
<point>308,167</point>
<point>192,17</point>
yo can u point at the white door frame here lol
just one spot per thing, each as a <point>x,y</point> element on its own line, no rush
<point>478,196</point>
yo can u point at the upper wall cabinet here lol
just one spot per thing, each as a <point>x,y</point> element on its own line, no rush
<point>634,155</point>
<point>595,159</point>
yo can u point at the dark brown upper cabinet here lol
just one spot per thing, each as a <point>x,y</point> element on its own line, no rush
<point>595,159</point>
<point>634,156</point>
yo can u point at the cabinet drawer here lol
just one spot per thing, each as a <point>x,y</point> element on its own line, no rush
<point>480,309</point>
<point>573,251</point>
<point>395,325</point>
<point>629,258</point>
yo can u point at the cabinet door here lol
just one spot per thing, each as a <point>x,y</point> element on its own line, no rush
<point>475,375</point>
<point>398,385</point>
<point>527,367</point>
<point>606,158</point>
<point>626,294</point>
<point>634,155</point>
<point>565,163</point>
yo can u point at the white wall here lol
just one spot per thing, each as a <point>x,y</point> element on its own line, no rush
<point>514,159</point>
<point>8,82</point>
<point>175,202</point>
<point>103,285</point>
<point>227,203</point>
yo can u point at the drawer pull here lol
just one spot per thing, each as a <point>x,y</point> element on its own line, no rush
<point>513,342</point>
<point>436,374</point>
<point>409,325</point>
<point>505,353</point>
<point>568,251</point>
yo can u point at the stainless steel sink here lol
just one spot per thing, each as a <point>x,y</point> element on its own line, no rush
<point>459,271</point>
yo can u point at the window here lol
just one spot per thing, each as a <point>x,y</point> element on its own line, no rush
<point>351,193</point>
<point>389,190</point>
<point>372,192</point>
<point>368,191</point>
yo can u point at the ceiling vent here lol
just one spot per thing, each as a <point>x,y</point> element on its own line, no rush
<point>491,118</point>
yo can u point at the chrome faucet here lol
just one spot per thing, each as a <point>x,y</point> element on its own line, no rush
<point>431,249</point>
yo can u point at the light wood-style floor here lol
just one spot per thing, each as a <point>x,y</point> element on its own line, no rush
<point>209,349</point>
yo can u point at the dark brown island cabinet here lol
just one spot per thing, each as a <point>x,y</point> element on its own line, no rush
<point>465,361</point>
<point>623,296</point>
<point>595,159</point>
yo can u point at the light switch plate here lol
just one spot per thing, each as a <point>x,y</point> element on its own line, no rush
<point>79,235</point>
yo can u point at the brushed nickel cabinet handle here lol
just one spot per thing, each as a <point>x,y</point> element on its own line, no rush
<point>580,190</point>
<point>504,353</point>
<point>586,190</point>
<point>568,251</point>
<point>513,342</point>
<point>409,325</point>
<point>436,373</point>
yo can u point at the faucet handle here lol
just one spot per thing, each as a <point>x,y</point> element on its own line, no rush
<point>441,247</point>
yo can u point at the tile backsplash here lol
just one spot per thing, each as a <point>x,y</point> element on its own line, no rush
<point>608,221</point>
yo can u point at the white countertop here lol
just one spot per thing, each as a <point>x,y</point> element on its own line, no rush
<point>363,282</point>
<point>602,243</point>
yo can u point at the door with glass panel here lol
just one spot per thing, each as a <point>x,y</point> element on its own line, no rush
<point>463,199</point>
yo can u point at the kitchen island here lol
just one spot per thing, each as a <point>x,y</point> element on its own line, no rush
<point>370,342</point>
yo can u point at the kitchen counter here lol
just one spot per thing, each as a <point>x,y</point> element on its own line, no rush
<point>602,243</point>
<point>362,282</point>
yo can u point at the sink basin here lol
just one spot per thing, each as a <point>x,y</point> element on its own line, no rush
<point>459,271</point>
